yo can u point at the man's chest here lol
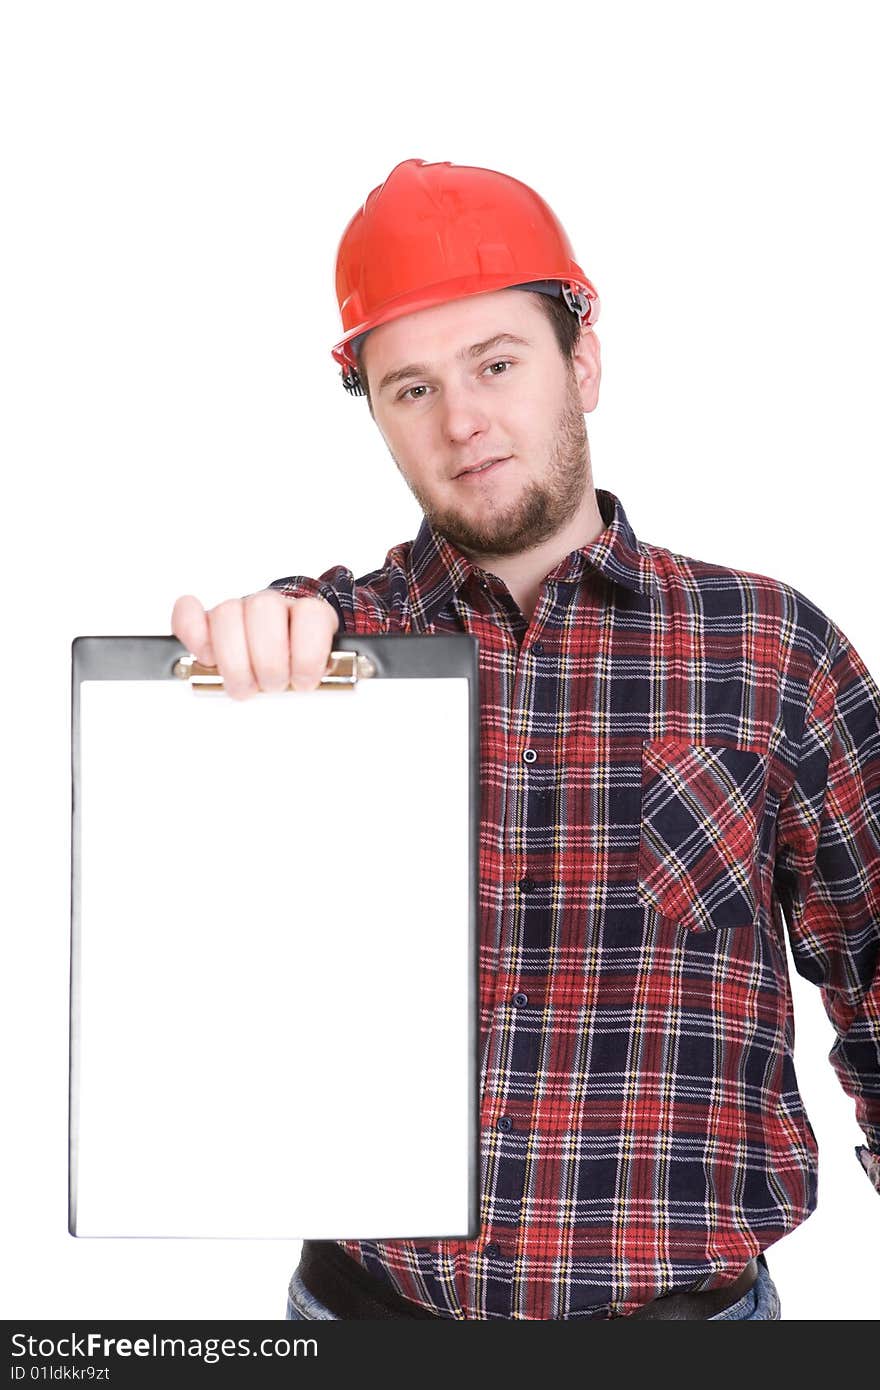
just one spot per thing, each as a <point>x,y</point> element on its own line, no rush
<point>630,764</point>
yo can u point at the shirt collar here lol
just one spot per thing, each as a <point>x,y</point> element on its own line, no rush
<point>439,569</point>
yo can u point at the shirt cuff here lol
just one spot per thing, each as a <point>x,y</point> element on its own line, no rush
<point>870,1161</point>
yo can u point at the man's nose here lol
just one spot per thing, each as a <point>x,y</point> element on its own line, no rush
<point>462,413</point>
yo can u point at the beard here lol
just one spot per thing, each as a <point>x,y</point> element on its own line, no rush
<point>542,508</point>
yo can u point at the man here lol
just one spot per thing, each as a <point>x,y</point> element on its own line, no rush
<point>674,755</point>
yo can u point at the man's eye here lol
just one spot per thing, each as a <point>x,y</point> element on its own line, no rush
<point>407,394</point>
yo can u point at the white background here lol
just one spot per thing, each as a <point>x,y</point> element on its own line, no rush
<point>176,177</point>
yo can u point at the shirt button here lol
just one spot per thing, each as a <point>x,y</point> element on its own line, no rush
<point>520,998</point>
<point>505,1124</point>
<point>529,755</point>
<point>493,1250</point>
<point>527,884</point>
<point>537,649</point>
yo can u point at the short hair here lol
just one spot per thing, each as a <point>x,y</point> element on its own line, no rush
<point>565,322</point>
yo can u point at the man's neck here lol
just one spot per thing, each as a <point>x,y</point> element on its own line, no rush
<point>524,573</point>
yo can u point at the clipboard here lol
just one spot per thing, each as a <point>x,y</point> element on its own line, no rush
<point>274,945</point>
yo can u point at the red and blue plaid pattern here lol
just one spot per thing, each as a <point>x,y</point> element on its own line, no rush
<point>680,762</point>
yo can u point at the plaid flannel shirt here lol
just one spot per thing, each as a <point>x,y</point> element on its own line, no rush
<point>679,762</point>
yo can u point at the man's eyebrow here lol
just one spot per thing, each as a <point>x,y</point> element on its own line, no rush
<point>475,350</point>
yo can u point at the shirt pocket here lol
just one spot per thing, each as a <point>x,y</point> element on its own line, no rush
<point>702,806</point>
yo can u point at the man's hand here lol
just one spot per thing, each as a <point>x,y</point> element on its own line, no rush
<point>264,641</point>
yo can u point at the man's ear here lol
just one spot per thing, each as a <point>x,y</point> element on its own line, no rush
<point>586,364</point>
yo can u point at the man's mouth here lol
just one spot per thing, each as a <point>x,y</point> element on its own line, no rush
<point>482,468</point>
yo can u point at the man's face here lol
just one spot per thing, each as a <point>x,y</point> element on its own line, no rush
<point>445,398</point>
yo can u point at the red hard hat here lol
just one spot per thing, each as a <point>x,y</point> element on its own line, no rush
<point>435,232</point>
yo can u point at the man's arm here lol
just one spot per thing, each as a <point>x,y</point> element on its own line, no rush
<point>357,605</point>
<point>827,875</point>
<point>335,585</point>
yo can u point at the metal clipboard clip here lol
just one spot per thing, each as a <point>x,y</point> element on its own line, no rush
<point>344,670</point>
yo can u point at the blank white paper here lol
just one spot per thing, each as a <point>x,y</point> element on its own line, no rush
<point>272,982</point>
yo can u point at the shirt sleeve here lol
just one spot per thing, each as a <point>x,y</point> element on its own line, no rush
<point>358,607</point>
<point>827,875</point>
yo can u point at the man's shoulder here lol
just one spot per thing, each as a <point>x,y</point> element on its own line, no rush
<point>716,592</point>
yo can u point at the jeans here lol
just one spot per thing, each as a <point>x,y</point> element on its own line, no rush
<point>761,1301</point>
